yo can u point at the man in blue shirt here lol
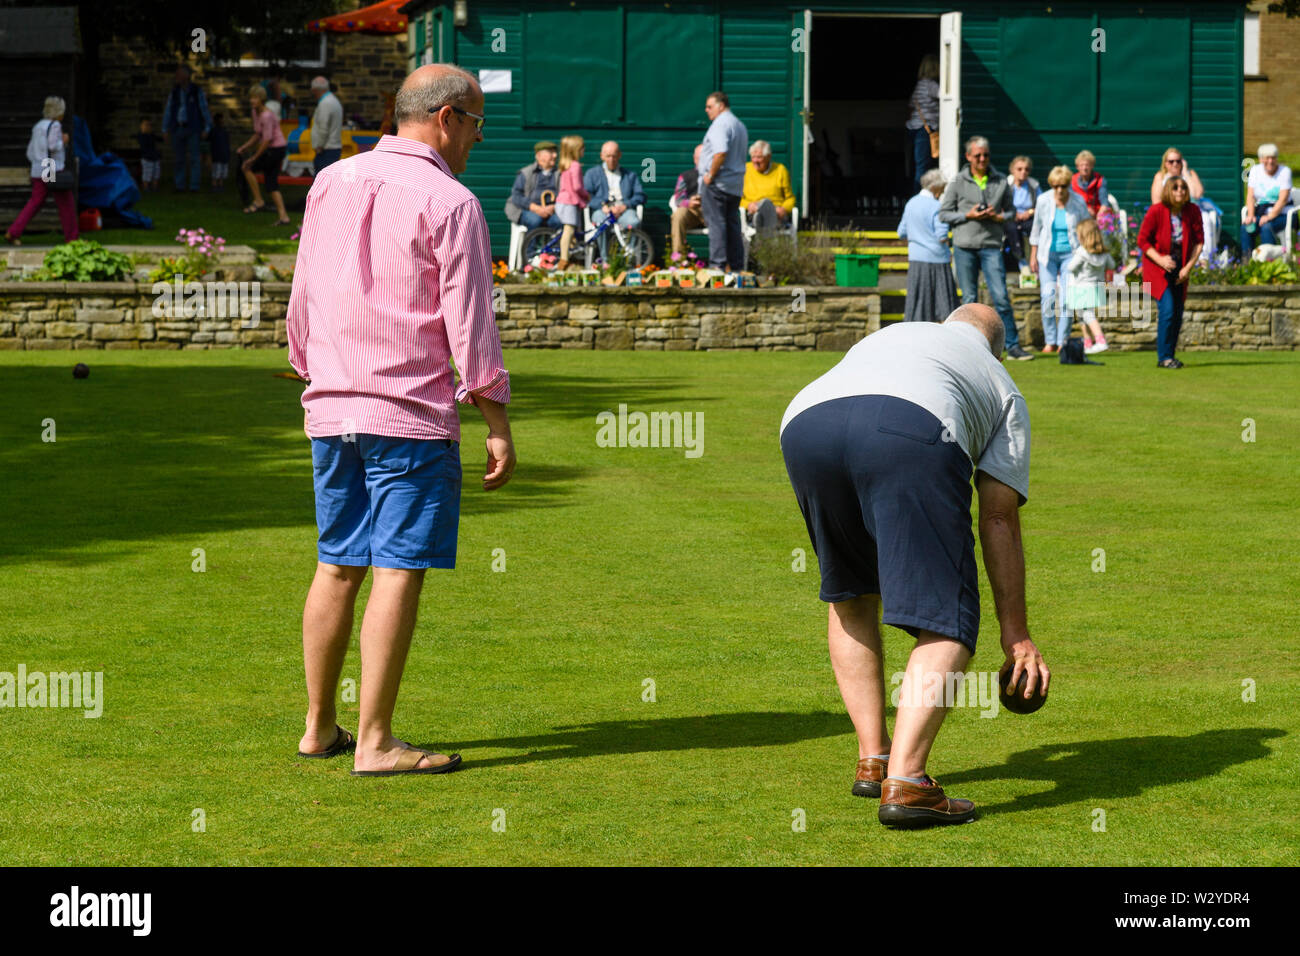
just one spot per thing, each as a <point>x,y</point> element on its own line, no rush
<point>614,190</point>
<point>185,122</point>
<point>722,181</point>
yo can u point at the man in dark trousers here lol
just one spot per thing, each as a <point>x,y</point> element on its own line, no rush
<point>722,181</point>
<point>185,122</point>
<point>880,451</point>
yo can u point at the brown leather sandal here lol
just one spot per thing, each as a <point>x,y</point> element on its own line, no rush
<point>406,765</point>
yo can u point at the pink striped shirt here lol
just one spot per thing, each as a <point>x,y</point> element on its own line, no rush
<point>393,280</point>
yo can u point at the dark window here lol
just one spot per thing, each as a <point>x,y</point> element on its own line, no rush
<point>1055,76</point>
<point>683,49</point>
<point>573,67</point>
<point>1046,65</point>
<point>607,67</point>
<point>1146,73</point>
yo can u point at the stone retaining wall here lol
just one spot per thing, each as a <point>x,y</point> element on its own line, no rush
<point>1215,317</point>
<point>93,315</point>
<point>112,315</point>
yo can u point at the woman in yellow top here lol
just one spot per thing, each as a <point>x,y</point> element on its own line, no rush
<point>767,196</point>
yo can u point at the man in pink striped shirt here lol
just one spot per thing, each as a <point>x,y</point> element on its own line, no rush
<point>393,282</point>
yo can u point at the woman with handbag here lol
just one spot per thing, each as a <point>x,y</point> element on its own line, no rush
<point>55,178</point>
<point>1170,238</point>
<point>923,123</point>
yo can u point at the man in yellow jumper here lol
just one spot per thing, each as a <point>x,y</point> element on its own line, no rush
<point>767,196</point>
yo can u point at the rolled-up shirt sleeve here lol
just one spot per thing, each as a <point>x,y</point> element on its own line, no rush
<point>463,252</point>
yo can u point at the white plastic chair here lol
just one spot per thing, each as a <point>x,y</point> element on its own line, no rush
<point>791,226</point>
<point>1288,222</point>
<point>515,259</point>
<point>749,231</point>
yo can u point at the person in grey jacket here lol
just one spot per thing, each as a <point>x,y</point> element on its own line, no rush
<point>326,126</point>
<point>532,198</point>
<point>977,205</point>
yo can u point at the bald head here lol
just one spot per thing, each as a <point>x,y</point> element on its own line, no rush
<point>984,319</point>
<point>441,106</point>
<point>431,87</point>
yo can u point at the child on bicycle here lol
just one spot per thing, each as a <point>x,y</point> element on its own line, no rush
<point>573,198</point>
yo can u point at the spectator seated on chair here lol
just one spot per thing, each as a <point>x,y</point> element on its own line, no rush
<point>1268,201</point>
<point>532,200</point>
<point>685,205</point>
<point>614,190</point>
<point>767,198</point>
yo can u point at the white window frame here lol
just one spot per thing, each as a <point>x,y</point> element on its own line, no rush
<point>1250,45</point>
<point>318,63</point>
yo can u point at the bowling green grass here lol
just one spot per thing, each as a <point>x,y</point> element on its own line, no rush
<point>625,566</point>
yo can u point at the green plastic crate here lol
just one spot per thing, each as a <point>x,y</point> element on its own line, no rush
<point>853,270</point>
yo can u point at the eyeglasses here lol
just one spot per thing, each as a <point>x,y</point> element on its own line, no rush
<point>979,155</point>
<point>479,120</point>
<point>1178,161</point>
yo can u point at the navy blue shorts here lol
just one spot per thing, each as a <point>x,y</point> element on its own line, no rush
<point>887,504</point>
<point>387,502</point>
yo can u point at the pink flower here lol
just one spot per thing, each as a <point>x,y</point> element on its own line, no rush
<point>677,256</point>
<point>528,268</point>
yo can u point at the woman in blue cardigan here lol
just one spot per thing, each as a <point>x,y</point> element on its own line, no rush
<point>1052,242</point>
<point>931,289</point>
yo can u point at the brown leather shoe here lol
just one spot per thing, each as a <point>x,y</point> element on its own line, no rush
<point>907,805</point>
<point>871,771</point>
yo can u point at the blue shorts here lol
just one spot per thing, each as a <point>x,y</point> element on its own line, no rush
<point>387,502</point>
<point>887,505</point>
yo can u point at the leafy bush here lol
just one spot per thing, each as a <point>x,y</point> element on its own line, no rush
<point>811,262</point>
<point>83,260</point>
<point>1232,271</point>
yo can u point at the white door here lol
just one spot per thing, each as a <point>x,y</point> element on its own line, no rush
<point>950,154</point>
<point>806,127</point>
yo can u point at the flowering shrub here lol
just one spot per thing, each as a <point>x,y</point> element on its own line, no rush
<point>1232,270</point>
<point>202,256</point>
<point>1108,223</point>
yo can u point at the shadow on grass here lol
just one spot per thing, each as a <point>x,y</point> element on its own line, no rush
<point>582,397</point>
<point>145,452</point>
<point>1098,770</point>
<point>608,737</point>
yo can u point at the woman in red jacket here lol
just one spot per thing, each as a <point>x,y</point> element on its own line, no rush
<point>1170,239</point>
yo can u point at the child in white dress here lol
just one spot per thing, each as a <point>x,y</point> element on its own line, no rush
<point>1086,290</point>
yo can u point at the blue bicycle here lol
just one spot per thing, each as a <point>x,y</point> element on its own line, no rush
<point>635,245</point>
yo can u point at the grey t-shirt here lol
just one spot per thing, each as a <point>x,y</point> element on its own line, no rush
<point>327,124</point>
<point>949,371</point>
<point>726,134</point>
